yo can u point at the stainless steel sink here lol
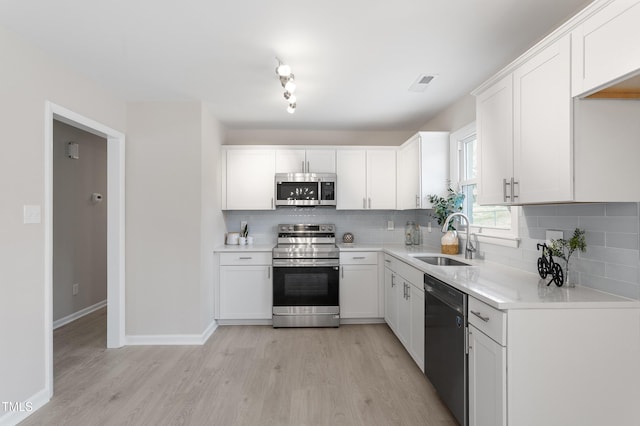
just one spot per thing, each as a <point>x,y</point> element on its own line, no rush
<point>441,261</point>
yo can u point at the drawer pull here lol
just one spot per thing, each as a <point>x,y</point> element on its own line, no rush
<point>479,315</point>
<point>246,258</point>
<point>387,260</point>
<point>358,257</point>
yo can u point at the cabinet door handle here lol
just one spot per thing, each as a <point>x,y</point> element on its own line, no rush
<point>364,203</point>
<point>245,258</point>
<point>302,166</point>
<point>404,288</point>
<point>479,315</point>
<point>417,201</point>
<point>271,203</point>
<point>513,189</point>
<point>393,280</point>
<point>308,168</point>
<point>342,271</point>
<point>408,292</point>
<point>369,202</point>
<point>506,197</point>
<point>269,272</point>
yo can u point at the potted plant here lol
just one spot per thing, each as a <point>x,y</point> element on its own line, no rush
<point>565,248</point>
<point>442,208</point>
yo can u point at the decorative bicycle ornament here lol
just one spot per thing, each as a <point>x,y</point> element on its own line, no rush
<point>547,266</point>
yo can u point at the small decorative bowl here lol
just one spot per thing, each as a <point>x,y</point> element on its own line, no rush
<point>347,238</point>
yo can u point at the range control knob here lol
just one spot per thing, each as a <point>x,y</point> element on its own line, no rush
<point>330,228</point>
<point>291,228</point>
<point>323,228</point>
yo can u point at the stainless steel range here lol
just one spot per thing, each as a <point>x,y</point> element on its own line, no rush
<point>306,276</point>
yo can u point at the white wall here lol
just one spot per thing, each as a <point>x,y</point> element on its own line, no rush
<point>79,225</point>
<point>171,217</point>
<point>315,137</point>
<point>28,78</point>
<point>454,117</point>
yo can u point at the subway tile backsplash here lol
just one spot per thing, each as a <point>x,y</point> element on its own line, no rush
<point>611,262</point>
<point>367,226</point>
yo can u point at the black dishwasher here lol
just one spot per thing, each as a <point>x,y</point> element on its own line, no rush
<point>445,348</point>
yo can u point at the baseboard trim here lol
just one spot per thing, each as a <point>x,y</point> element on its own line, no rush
<point>245,322</point>
<point>76,315</point>
<point>347,321</point>
<point>173,339</point>
<point>37,401</point>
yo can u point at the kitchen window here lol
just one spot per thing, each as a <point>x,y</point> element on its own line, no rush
<point>492,224</point>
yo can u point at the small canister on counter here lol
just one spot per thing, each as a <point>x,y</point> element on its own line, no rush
<point>409,232</point>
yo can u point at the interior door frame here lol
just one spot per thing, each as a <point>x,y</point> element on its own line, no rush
<point>115,227</point>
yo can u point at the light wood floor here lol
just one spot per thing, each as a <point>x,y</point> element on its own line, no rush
<point>244,375</point>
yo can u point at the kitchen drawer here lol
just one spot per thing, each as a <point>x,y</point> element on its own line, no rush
<point>489,320</point>
<point>410,274</point>
<point>246,258</point>
<point>359,258</point>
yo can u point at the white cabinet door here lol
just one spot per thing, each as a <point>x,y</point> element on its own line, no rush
<point>290,160</point>
<point>381,179</point>
<point>543,155</point>
<point>404,314</point>
<point>359,291</point>
<point>408,184</point>
<point>487,380</point>
<point>249,179</point>
<point>245,292</point>
<point>605,47</point>
<point>321,161</point>
<point>351,186</point>
<point>391,300</point>
<point>494,121</point>
<point>416,300</point>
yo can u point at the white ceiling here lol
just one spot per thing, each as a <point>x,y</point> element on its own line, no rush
<point>354,60</point>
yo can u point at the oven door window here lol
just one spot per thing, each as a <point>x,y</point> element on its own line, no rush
<point>298,191</point>
<point>305,286</point>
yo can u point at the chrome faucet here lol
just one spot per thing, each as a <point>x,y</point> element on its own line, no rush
<point>469,249</point>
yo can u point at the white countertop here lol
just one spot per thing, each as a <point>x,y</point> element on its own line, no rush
<point>500,286</point>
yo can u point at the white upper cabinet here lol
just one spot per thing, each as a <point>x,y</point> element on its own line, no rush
<point>366,179</point>
<point>542,123</point>
<point>524,131</point>
<point>422,169</point>
<point>305,160</point>
<point>381,179</point>
<point>248,179</point>
<point>606,47</point>
<point>494,127</point>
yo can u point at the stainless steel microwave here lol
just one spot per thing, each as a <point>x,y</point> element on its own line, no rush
<point>305,189</point>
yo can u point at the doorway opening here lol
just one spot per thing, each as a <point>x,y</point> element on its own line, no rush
<point>115,234</point>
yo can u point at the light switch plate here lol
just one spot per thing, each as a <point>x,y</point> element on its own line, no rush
<point>553,235</point>
<point>32,214</point>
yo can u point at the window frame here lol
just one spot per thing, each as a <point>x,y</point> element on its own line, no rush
<point>503,237</point>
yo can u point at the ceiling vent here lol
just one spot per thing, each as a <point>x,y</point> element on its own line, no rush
<point>421,83</point>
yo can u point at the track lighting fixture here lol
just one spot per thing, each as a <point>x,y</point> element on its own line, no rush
<point>288,83</point>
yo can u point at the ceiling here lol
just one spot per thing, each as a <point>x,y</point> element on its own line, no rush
<point>353,60</point>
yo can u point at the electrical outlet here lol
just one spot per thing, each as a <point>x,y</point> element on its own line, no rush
<point>390,225</point>
<point>76,289</point>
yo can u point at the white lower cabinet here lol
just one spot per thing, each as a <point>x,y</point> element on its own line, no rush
<point>245,291</point>
<point>404,306</point>
<point>487,380</point>
<point>359,287</point>
<point>573,366</point>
